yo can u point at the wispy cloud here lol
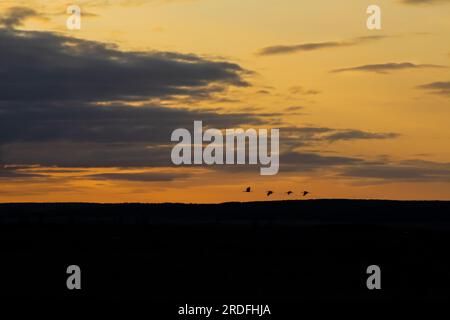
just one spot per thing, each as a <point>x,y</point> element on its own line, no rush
<point>15,172</point>
<point>442,88</point>
<point>15,16</point>
<point>416,2</point>
<point>311,46</point>
<point>302,91</point>
<point>387,67</point>
<point>294,108</point>
<point>295,137</point>
<point>359,135</point>
<point>408,170</point>
<point>138,176</point>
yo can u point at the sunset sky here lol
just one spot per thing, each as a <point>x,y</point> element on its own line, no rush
<point>86,115</point>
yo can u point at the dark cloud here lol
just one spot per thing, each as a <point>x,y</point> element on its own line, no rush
<point>304,161</point>
<point>358,135</point>
<point>49,85</point>
<point>298,162</point>
<point>138,176</point>
<point>72,135</point>
<point>49,115</point>
<point>15,16</point>
<point>16,172</point>
<point>387,67</point>
<point>47,67</point>
<point>86,155</point>
<point>406,171</point>
<point>77,122</point>
<point>442,88</point>
<point>302,136</point>
<point>285,49</point>
<point>120,147</point>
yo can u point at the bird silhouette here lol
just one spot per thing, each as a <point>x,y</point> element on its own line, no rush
<point>269,193</point>
<point>248,189</point>
<point>305,193</point>
<point>289,193</point>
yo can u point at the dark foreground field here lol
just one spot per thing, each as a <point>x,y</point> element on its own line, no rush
<point>233,252</point>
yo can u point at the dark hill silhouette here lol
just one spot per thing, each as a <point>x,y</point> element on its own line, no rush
<point>422,213</point>
<point>254,251</point>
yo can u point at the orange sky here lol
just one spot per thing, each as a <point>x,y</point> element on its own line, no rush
<point>385,94</point>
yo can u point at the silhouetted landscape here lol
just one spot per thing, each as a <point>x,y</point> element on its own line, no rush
<point>259,251</point>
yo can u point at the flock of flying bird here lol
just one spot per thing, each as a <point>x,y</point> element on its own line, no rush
<point>269,193</point>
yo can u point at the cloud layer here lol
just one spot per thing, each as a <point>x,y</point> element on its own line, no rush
<point>14,16</point>
<point>48,67</point>
<point>52,84</point>
<point>50,115</point>
<point>440,87</point>
<point>285,49</point>
<point>385,68</point>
